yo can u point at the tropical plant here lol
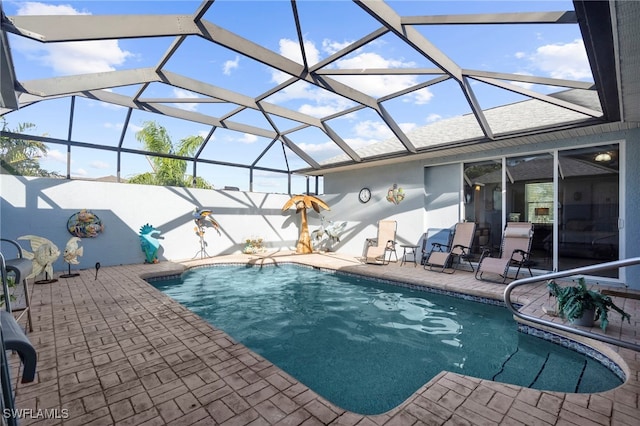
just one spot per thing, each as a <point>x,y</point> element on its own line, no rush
<point>21,156</point>
<point>574,301</point>
<point>168,171</point>
<point>302,203</point>
<point>11,282</point>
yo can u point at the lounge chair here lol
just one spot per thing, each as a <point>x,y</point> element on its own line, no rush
<point>22,268</point>
<point>433,237</point>
<point>515,251</point>
<point>451,255</point>
<point>385,243</point>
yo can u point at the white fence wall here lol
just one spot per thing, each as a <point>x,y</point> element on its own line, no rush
<point>42,207</point>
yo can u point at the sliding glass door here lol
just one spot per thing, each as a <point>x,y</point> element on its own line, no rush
<point>577,226</point>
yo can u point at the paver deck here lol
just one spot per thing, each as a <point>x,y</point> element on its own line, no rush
<point>114,350</point>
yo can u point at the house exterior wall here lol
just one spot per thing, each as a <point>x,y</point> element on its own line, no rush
<point>341,193</point>
<point>413,219</point>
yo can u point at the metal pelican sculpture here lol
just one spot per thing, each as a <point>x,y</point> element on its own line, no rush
<point>204,219</point>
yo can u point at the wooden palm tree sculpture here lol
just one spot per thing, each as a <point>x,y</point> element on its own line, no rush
<point>302,203</point>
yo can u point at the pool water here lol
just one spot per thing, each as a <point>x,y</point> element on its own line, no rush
<point>367,346</point>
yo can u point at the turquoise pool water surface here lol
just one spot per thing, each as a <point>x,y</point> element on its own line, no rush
<point>366,346</point>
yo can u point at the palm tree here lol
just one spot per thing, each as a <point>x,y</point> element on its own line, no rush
<point>168,171</point>
<point>21,156</point>
<point>302,203</point>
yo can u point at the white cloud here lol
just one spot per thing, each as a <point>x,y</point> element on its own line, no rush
<point>432,118</point>
<point>36,8</point>
<point>563,60</point>
<point>76,57</point>
<point>185,94</point>
<point>407,127</point>
<point>55,155</point>
<point>291,49</point>
<point>117,126</point>
<point>321,103</point>
<point>380,85</point>
<point>320,110</point>
<point>80,172</point>
<point>328,147</point>
<point>332,46</point>
<point>230,65</point>
<point>372,130</point>
<point>422,96</point>
<point>522,84</point>
<point>248,138</point>
<point>134,128</point>
<point>97,164</point>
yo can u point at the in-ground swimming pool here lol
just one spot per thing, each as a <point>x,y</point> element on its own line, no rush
<point>367,346</point>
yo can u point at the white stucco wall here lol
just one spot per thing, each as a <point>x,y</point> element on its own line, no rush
<point>341,193</point>
<point>43,206</point>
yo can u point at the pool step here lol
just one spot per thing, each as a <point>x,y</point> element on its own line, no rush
<point>530,368</point>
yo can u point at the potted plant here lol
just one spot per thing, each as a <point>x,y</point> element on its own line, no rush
<point>582,306</point>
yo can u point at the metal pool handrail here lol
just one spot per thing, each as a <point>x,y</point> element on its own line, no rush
<point>576,271</point>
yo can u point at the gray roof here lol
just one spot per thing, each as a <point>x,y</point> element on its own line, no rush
<point>508,119</point>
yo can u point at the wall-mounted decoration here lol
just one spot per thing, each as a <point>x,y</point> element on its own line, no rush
<point>365,195</point>
<point>70,255</point>
<point>395,194</point>
<point>302,203</point>
<point>43,256</point>
<point>149,242</point>
<point>85,224</point>
<point>204,219</point>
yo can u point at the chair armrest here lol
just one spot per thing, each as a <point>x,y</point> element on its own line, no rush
<point>15,243</point>
<point>14,339</point>
<point>525,255</point>
<point>465,249</point>
<point>439,246</point>
<point>486,252</point>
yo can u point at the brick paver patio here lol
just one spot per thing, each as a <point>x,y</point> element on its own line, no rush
<point>114,350</point>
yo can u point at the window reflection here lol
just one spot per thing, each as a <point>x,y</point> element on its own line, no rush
<point>483,202</point>
<point>530,199</point>
<point>589,207</point>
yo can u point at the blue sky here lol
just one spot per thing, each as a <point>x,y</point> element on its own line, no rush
<point>544,50</point>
